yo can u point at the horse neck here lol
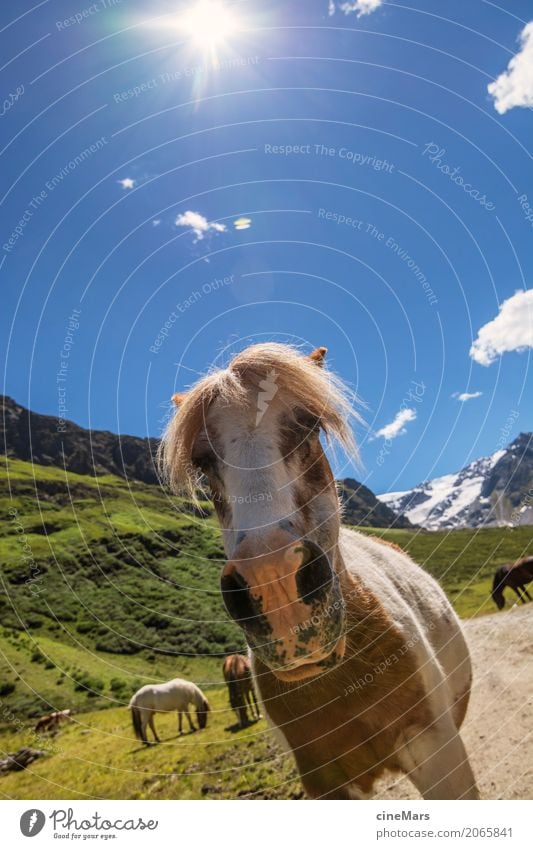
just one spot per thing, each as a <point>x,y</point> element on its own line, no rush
<point>197,698</point>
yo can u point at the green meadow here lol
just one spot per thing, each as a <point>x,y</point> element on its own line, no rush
<point>108,585</point>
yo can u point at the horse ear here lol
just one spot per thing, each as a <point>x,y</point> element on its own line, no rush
<point>318,356</point>
<point>178,398</point>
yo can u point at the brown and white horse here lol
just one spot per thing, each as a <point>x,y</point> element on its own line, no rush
<point>359,659</point>
<point>237,673</point>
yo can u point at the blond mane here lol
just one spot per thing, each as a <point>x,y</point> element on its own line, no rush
<point>315,389</point>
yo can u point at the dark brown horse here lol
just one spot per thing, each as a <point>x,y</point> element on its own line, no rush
<point>513,575</point>
<point>238,676</point>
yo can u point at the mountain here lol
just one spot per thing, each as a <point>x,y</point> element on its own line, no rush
<point>33,437</point>
<point>361,507</point>
<point>39,439</point>
<point>493,491</point>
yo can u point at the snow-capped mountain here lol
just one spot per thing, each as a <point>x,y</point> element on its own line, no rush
<point>491,491</point>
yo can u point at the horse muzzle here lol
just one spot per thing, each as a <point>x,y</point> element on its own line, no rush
<point>288,603</point>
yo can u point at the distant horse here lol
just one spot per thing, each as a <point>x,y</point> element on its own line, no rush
<point>238,676</point>
<point>162,698</point>
<point>51,721</point>
<point>358,656</point>
<point>515,576</point>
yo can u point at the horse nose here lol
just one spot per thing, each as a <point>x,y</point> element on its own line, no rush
<point>278,586</point>
<point>314,575</point>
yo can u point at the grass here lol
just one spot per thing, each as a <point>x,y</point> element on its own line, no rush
<point>96,571</point>
<point>108,585</point>
<point>463,561</point>
<point>97,757</point>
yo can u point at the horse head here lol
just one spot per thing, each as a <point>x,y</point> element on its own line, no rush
<point>501,577</point>
<point>201,713</point>
<point>253,431</point>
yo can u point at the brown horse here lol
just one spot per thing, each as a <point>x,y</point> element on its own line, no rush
<point>515,576</point>
<point>238,676</point>
<point>51,721</point>
<point>359,658</point>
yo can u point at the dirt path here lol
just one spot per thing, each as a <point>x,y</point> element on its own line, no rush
<point>498,730</point>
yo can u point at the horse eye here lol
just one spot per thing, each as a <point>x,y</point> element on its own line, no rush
<point>308,422</point>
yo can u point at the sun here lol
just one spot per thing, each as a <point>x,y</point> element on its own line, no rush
<point>208,23</point>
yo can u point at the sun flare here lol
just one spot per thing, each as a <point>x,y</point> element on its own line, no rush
<point>208,23</point>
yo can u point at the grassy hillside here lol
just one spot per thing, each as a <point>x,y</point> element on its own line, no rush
<point>464,561</point>
<point>108,584</point>
<point>102,579</point>
<point>97,756</point>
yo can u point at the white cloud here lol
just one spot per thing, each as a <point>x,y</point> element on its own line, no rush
<point>156,222</point>
<point>466,396</point>
<point>397,426</point>
<point>362,7</point>
<point>515,86</point>
<point>198,224</point>
<point>127,183</point>
<point>511,330</point>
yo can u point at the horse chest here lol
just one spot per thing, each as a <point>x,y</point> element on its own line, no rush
<point>343,727</point>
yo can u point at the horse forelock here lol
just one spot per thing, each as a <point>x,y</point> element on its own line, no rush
<point>297,379</point>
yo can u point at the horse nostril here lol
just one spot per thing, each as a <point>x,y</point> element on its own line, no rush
<point>236,596</point>
<point>315,576</point>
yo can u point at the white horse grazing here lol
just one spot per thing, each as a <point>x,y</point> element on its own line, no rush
<point>162,698</point>
<point>359,659</point>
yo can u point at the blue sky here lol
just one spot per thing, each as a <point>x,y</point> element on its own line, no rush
<point>386,193</point>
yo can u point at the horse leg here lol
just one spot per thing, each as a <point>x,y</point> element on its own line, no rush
<point>436,761</point>
<point>525,589</point>
<point>243,716</point>
<point>519,591</point>
<point>249,705</point>
<point>257,711</point>
<point>144,723</point>
<point>151,723</point>
<point>192,726</point>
